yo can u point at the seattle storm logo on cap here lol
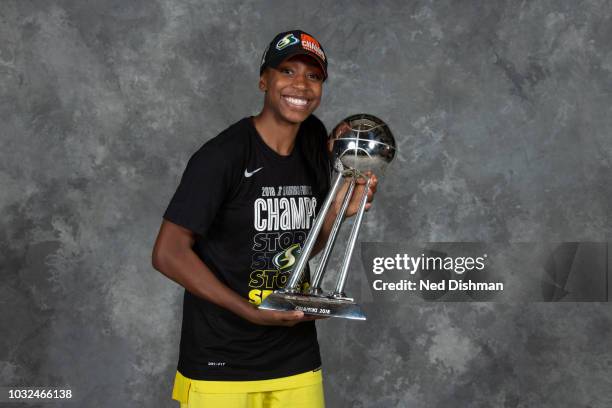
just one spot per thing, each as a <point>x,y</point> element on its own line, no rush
<point>286,41</point>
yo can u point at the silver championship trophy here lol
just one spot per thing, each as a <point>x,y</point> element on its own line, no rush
<point>359,144</point>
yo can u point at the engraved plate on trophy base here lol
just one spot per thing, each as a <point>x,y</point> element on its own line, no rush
<point>313,305</point>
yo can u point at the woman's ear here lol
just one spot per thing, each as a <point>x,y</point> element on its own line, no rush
<point>263,86</point>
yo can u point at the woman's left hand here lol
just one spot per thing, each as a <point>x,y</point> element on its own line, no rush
<point>357,193</point>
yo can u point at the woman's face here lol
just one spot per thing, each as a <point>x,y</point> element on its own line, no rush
<point>293,89</point>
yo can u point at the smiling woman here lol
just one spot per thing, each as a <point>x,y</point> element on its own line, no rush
<point>293,91</point>
<point>230,242</point>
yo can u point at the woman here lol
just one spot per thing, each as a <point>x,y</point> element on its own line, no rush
<point>230,234</point>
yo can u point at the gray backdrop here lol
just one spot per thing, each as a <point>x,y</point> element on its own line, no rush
<point>503,114</point>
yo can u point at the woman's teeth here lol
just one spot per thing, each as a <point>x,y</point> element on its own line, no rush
<point>296,101</point>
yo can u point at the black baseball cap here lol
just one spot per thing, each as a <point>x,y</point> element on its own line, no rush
<point>290,43</point>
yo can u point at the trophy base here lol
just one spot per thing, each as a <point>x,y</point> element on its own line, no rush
<point>313,305</point>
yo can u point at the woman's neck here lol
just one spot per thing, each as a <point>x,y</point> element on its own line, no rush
<point>278,135</point>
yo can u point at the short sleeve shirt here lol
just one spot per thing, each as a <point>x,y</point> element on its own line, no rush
<point>250,209</point>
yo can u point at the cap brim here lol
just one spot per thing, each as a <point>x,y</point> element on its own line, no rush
<point>276,62</point>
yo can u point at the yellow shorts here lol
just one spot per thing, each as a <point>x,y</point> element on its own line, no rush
<point>296,391</point>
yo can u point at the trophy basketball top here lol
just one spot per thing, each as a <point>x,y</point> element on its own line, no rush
<point>362,143</point>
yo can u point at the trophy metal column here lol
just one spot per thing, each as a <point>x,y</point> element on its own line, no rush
<point>359,145</point>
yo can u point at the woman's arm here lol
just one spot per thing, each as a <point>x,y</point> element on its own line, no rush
<point>174,257</point>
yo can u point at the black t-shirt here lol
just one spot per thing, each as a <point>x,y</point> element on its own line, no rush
<point>251,210</point>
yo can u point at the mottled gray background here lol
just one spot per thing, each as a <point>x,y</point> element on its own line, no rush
<point>503,113</point>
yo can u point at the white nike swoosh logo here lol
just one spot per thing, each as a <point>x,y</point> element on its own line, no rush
<point>249,174</point>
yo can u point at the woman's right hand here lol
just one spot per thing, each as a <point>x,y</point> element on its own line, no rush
<point>279,318</point>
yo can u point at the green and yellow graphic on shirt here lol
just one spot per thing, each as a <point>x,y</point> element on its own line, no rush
<point>281,216</point>
<point>286,259</point>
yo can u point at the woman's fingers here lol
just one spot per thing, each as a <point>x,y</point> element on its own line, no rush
<point>358,192</point>
<point>374,183</point>
<point>278,318</point>
<point>295,317</point>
